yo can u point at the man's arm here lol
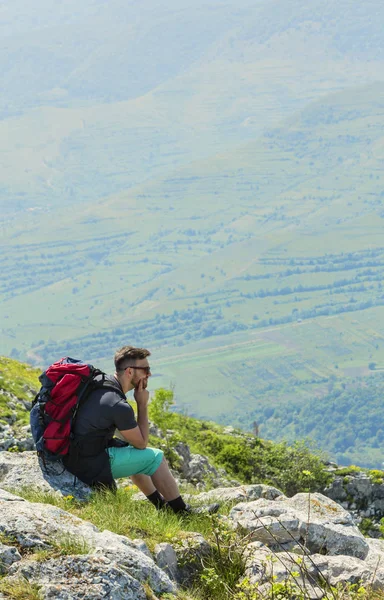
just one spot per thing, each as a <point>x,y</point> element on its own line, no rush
<point>138,436</point>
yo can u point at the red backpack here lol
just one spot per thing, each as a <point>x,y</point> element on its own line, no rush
<point>64,386</point>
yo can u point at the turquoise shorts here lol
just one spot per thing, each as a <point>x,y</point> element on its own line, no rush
<point>128,461</point>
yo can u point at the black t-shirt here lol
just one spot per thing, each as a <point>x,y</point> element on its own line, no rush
<point>104,411</point>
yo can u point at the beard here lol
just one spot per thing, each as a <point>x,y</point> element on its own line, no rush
<point>136,381</point>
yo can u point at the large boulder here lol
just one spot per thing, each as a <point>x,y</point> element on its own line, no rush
<point>309,573</point>
<point>358,493</point>
<point>20,470</point>
<point>31,526</point>
<point>310,519</point>
<point>79,577</point>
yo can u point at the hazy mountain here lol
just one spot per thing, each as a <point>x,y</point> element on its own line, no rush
<point>97,98</point>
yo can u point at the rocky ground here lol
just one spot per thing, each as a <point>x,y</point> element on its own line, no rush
<point>312,539</point>
<point>309,533</point>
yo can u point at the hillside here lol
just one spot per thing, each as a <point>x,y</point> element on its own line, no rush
<point>244,456</point>
<point>258,304</point>
<point>61,539</point>
<point>206,181</point>
<point>345,423</point>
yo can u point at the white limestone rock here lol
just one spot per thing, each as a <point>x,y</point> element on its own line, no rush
<point>25,469</point>
<point>313,519</point>
<point>262,567</point>
<point>312,573</point>
<point>79,577</point>
<point>238,493</point>
<point>35,525</point>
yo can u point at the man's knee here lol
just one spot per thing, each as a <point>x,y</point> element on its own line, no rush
<point>163,464</point>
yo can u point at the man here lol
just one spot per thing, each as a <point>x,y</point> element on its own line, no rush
<point>97,458</point>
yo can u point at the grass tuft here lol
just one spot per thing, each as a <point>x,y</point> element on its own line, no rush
<point>65,545</point>
<point>20,589</point>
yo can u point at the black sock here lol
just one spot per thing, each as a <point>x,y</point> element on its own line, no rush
<point>157,499</point>
<point>177,505</point>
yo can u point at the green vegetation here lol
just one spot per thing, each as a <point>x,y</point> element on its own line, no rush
<point>20,590</point>
<point>245,457</point>
<point>18,378</point>
<point>348,420</point>
<point>21,381</point>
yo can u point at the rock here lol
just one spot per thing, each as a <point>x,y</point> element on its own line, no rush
<point>189,552</point>
<point>334,539</point>
<point>262,567</point>
<point>199,468</point>
<point>19,470</point>
<point>312,573</point>
<point>8,555</point>
<point>35,525</point>
<point>196,468</point>
<point>318,507</point>
<point>359,494</point>
<point>8,497</point>
<point>183,451</point>
<point>156,431</point>
<point>337,569</point>
<point>228,430</point>
<point>166,559</point>
<point>79,577</point>
<point>318,522</point>
<point>142,546</point>
<point>242,492</point>
<point>375,560</point>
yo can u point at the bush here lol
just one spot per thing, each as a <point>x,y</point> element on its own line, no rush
<point>293,469</point>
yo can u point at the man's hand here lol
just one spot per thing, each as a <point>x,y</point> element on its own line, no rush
<point>140,394</point>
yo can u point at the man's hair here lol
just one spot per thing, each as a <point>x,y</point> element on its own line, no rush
<point>128,355</point>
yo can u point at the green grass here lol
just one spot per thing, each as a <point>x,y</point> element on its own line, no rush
<point>21,380</point>
<point>20,590</point>
<point>123,515</point>
<point>18,378</point>
<point>65,545</point>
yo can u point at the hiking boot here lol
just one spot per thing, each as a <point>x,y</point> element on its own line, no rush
<point>207,509</point>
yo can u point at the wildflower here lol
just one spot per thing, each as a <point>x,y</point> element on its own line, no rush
<point>307,473</point>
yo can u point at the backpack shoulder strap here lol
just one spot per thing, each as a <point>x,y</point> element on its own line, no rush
<point>108,384</point>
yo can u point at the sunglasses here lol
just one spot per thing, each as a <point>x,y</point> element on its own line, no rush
<point>147,370</point>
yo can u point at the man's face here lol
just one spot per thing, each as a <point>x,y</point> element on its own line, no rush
<point>140,371</point>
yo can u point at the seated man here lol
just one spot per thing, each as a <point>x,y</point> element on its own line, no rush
<point>97,458</point>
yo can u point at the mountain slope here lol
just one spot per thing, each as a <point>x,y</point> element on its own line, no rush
<point>254,277</point>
